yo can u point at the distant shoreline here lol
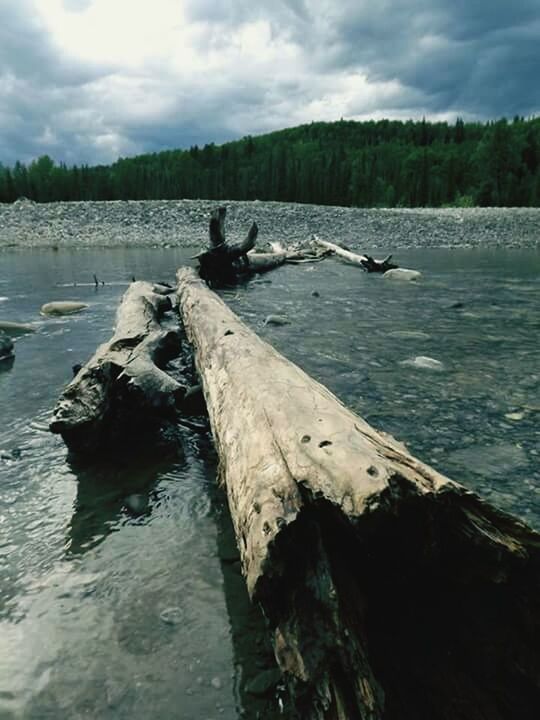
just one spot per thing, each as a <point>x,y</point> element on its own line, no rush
<point>183,223</point>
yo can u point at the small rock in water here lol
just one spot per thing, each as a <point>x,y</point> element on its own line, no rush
<point>62,307</point>
<point>216,683</point>
<point>424,363</point>
<point>171,616</point>
<point>136,503</point>
<point>514,416</point>
<point>13,329</point>
<point>316,293</point>
<point>277,320</point>
<point>402,274</point>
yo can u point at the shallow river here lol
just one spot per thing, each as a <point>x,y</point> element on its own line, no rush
<point>109,614</point>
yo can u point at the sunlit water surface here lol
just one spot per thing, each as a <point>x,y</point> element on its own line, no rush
<point>108,614</point>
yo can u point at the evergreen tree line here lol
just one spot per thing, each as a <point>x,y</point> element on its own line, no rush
<point>369,164</point>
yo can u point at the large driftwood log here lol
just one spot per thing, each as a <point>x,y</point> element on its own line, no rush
<point>123,384</point>
<point>366,262</point>
<point>391,591</point>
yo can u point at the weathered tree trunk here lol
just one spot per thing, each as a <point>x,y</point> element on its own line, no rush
<point>364,261</point>
<point>122,385</point>
<point>391,591</point>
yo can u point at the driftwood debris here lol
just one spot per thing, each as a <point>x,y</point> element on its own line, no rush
<point>225,264</point>
<point>222,263</point>
<point>366,262</point>
<point>391,592</point>
<point>123,384</point>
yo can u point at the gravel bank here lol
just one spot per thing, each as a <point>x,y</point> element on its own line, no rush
<point>172,223</point>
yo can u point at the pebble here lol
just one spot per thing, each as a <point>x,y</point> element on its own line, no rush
<point>514,416</point>
<point>276,320</point>
<point>423,362</point>
<point>172,616</point>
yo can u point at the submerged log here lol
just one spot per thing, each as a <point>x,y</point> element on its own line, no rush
<point>391,592</point>
<point>123,385</point>
<point>366,262</point>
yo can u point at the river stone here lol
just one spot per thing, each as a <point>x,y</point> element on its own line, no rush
<point>277,320</point>
<point>136,503</point>
<point>62,307</point>
<point>6,346</point>
<point>402,274</point>
<point>423,362</point>
<point>171,616</point>
<point>14,329</point>
<point>515,416</point>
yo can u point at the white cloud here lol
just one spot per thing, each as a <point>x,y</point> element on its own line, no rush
<point>87,80</point>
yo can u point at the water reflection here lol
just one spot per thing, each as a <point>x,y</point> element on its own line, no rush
<point>117,488</point>
<point>255,669</point>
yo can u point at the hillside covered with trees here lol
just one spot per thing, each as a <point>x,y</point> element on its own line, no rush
<point>369,164</point>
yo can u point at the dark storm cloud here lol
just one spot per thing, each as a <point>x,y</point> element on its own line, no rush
<point>38,86</point>
<point>476,57</point>
<point>316,59</point>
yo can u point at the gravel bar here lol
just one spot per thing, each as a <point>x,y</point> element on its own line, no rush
<point>184,223</point>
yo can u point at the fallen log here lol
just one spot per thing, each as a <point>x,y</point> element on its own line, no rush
<point>123,386</point>
<point>391,592</point>
<point>366,262</point>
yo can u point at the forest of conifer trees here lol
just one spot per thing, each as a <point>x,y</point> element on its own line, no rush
<point>367,164</point>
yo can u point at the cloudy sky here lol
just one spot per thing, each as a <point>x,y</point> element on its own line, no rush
<point>91,80</point>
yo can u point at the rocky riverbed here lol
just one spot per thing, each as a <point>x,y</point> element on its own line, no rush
<point>183,223</point>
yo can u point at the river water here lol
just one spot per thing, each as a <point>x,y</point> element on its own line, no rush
<point>107,613</point>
